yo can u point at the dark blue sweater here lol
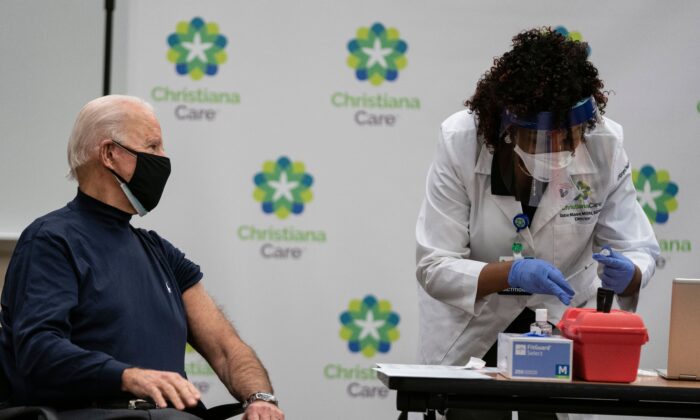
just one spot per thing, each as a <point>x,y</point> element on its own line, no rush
<point>86,296</point>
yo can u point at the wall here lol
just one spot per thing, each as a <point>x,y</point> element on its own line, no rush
<point>281,92</point>
<point>285,282</point>
<point>6,248</point>
<point>51,66</point>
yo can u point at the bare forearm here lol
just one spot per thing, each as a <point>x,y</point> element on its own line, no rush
<point>242,372</point>
<point>217,340</point>
<point>244,375</point>
<point>493,278</point>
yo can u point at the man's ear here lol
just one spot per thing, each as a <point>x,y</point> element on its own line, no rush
<point>106,153</point>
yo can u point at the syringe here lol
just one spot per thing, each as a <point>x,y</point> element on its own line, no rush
<point>579,271</point>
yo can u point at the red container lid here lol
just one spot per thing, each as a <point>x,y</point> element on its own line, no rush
<point>586,324</point>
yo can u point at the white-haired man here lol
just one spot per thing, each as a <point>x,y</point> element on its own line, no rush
<point>96,312</point>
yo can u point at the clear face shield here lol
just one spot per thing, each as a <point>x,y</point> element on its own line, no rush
<point>546,151</point>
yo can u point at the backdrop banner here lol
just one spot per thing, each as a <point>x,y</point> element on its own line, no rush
<point>301,133</point>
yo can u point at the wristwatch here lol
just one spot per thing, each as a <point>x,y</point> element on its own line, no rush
<point>260,396</point>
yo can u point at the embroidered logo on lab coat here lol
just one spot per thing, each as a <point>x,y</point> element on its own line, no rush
<point>582,208</point>
<point>584,192</point>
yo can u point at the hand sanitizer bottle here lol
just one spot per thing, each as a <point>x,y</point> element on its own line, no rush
<point>541,326</point>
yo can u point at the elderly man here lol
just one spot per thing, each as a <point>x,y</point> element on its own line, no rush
<point>96,312</point>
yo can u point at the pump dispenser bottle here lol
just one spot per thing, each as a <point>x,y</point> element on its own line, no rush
<point>541,326</point>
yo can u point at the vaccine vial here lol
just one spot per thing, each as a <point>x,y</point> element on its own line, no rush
<point>541,326</point>
<point>605,252</point>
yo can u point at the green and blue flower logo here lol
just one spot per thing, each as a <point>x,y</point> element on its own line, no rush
<point>377,54</point>
<point>584,192</point>
<point>656,193</point>
<point>369,326</point>
<point>197,48</point>
<point>283,187</point>
<point>572,36</point>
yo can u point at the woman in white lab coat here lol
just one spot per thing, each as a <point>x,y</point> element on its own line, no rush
<point>531,169</point>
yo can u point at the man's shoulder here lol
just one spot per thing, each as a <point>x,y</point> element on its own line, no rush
<point>150,235</point>
<point>153,237</point>
<point>55,223</point>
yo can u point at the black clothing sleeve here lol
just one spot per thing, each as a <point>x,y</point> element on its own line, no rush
<point>42,298</point>
<point>186,273</point>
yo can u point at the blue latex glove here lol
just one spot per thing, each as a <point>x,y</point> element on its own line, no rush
<point>539,276</point>
<point>618,270</point>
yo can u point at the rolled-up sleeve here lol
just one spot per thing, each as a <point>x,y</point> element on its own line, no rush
<point>186,272</point>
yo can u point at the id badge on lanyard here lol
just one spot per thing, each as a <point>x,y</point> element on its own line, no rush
<point>521,222</point>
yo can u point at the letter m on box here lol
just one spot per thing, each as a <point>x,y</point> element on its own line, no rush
<point>562,370</point>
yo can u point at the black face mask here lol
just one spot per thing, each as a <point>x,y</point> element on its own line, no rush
<point>148,182</point>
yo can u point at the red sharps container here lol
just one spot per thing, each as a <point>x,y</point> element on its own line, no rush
<point>607,345</point>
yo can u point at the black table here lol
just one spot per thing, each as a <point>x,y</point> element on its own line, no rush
<point>647,396</point>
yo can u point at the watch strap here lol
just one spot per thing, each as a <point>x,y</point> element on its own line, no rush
<point>260,396</point>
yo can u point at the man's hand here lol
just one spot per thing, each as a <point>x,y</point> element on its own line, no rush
<point>161,387</point>
<point>261,410</point>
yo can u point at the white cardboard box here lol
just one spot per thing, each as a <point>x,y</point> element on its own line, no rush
<point>535,358</point>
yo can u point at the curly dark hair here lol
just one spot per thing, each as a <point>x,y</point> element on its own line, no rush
<point>544,71</point>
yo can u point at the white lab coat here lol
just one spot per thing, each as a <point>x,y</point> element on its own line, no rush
<point>462,227</point>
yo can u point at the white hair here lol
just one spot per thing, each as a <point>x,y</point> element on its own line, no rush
<point>103,118</point>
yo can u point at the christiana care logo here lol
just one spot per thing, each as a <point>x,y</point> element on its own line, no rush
<point>377,54</point>
<point>369,326</point>
<point>196,48</point>
<point>584,192</point>
<point>655,193</point>
<point>283,187</point>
